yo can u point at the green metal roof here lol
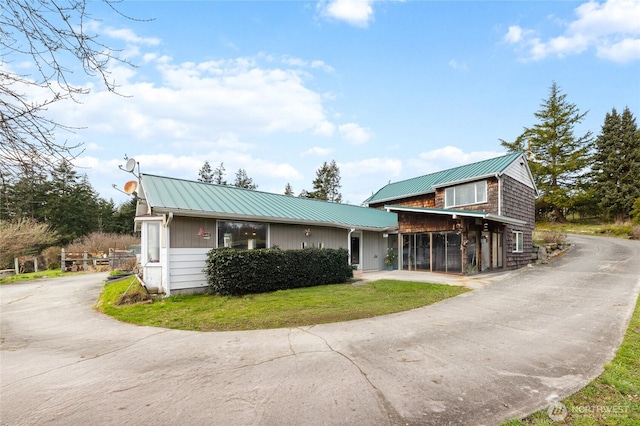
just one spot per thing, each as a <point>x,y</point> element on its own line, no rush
<point>428,183</point>
<point>192,198</point>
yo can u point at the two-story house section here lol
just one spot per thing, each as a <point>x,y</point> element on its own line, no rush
<point>464,220</point>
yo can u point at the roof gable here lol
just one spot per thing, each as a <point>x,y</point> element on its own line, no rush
<point>192,198</point>
<point>428,183</point>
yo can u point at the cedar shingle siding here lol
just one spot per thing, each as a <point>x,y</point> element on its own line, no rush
<point>519,203</point>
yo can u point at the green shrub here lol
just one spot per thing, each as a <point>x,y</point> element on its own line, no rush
<point>237,272</point>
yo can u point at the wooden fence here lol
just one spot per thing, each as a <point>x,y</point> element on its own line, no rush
<point>115,259</point>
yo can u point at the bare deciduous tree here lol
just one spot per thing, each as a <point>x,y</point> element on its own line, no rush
<point>19,237</point>
<point>52,37</point>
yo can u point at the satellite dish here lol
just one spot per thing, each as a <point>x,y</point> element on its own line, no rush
<point>131,165</point>
<point>130,187</point>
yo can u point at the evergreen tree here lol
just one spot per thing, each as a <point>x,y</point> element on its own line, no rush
<point>205,174</point>
<point>288,190</point>
<point>123,219</point>
<point>326,185</point>
<point>106,215</point>
<point>72,204</point>
<point>558,158</point>
<point>616,165</point>
<point>244,181</point>
<point>26,197</point>
<point>218,175</point>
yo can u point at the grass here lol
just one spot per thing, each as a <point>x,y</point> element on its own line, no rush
<point>621,230</point>
<point>285,308</point>
<point>613,398</point>
<point>33,276</point>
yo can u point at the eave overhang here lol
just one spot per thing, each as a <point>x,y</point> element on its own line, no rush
<point>458,213</point>
<point>268,219</point>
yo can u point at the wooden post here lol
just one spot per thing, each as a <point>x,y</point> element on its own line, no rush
<point>35,264</point>
<point>16,265</point>
<point>62,259</point>
<point>85,256</point>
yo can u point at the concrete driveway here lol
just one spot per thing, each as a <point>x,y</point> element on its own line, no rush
<point>513,345</point>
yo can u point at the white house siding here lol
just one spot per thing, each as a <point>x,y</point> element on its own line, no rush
<point>288,237</point>
<point>519,171</point>
<point>185,268</point>
<point>374,247</point>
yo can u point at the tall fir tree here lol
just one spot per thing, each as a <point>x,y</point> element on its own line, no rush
<point>218,175</point>
<point>557,157</point>
<point>326,185</point>
<point>288,190</point>
<point>205,174</point>
<point>72,204</point>
<point>616,164</point>
<point>244,181</point>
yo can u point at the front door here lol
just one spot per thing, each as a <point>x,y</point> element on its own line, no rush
<point>355,251</point>
<point>497,250</point>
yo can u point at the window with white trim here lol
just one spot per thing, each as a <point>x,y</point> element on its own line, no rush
<point>469,193</point>
<point>518,242</point>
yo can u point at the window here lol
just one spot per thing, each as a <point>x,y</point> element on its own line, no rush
<point>518,242</point>
<point>151,242</point>
<point>469,193</point>
<point>242,235</point>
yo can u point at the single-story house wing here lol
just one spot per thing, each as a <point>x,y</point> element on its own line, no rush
<point>182,220</point>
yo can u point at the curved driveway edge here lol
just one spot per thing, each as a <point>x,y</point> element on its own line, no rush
<point>502,351</point>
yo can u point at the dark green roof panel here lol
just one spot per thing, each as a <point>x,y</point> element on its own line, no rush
<point>165,194</point>
<point>428,183</point>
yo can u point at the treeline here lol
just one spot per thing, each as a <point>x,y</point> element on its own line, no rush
<point>326,185</point>
<point>65,203</point>
<point>579,174</point>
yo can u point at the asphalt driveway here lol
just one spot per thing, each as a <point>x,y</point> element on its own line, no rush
<point>513,345</point>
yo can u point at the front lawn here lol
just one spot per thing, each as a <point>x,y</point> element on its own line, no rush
<point>284,308</point>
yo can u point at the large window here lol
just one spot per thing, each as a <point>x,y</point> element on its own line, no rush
<point>469,193</point>
<point>518,242</point>
<point>242,235</point>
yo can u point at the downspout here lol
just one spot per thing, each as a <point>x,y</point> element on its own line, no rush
<point>167,219</point>
<point>499,194</point>
<point>165,268</point>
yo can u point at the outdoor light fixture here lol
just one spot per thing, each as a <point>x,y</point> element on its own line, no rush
<point>307,232</point>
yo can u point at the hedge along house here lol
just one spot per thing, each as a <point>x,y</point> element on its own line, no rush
<point>464,220</point>
<point>181,221</point>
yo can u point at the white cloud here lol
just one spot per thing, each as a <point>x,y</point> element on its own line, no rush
<point>624,51</point>
<point>197,102</point>
<point>322,65</point>
<point>325,129</point>
<point>358,13</point>
<point>514,35</point>
<point>388,167</point>
<point>611,28</point>
<point>458,65</point>
<point>126,35</point>
<point>447,157</point>
<point>317,151</point>
<point>355,134</point>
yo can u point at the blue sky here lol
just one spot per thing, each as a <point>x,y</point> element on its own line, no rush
<point>389,89</point>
